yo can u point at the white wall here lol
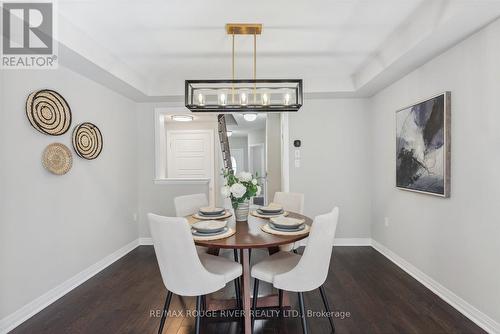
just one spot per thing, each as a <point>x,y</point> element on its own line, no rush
<point>273,154</point>
<point>53,227</point>
<point>240,143</point>
<point>455,241</point>
<point>257,136</point>
<point>334,161</point>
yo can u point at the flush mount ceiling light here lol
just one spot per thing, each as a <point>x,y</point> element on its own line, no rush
<point>250,117</point>
<point>182,118</point>
<point>248,95</point>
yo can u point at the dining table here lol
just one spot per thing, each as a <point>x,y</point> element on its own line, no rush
<point>249,236</point>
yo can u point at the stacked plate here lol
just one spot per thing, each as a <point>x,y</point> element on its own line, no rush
<point>270,210</point>
<point>285,224</point>
<point>208,228</point>
<point>211,212</point>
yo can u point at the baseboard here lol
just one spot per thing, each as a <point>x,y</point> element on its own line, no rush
<point>146,241</point>
<point>478,317</point>
<point>352,242</point>
<point>27,311</point>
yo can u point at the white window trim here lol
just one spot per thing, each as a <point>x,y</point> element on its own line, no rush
<point>161,178</point>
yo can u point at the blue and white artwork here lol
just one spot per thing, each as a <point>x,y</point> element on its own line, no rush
<point>423,146</point>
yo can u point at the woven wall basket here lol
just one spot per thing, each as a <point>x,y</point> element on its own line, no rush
<point>87,140</point>
<point>57,158</point>
<point>48,112</point>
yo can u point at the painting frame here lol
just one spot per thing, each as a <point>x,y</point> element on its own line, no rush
<point>446,159</point>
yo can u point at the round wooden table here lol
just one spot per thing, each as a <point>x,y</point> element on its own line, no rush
<point>249,236</point>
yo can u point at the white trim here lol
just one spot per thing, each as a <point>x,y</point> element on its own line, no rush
<point>27,311</point>
<point>285,153</point>
<point>478,317</point>
<point>352,242</point>
<point>182,181</point>
<point>160,145</point>
<point>146,241</point>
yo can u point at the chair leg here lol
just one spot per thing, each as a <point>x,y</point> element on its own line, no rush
<point>165,310</point>
<point>327,307</point>
<point>198,315</point>
<point>302,313</point>
<point>237,284</point>
<point>204,302</point>
<point>237,291</point>
<point>255,297</point>
<point>255,294</point>
<point>280,301</point>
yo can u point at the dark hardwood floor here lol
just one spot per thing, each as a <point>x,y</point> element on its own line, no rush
<point>374,295</point>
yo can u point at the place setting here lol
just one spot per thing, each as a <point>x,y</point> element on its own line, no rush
<point>211,213</point>
<point>286,226</point>
<point>211,230</point>
<point>273,210</point>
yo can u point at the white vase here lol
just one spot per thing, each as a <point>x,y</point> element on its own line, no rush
<point>241,212</point>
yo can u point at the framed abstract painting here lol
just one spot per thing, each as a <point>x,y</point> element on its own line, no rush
<point>423,146</point>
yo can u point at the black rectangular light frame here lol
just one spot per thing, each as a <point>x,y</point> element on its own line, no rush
<point>249,108</point>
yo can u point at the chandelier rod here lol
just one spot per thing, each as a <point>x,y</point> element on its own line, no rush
<point>254,67</point>
<point>232,85</point>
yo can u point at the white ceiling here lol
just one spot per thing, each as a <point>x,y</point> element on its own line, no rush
<point>242,127</point>
<point>351,47</point>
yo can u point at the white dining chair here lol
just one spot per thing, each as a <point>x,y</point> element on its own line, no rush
<point>301,273</point>
<point>290,201</point>
<point>188,205</point>
<point>184,272</point>
<point>293,202</point>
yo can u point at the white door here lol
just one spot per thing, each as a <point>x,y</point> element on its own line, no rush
<point>190,155</point>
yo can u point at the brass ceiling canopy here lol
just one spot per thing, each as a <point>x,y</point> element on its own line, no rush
<point>244,95</point>
<point>244,28</point>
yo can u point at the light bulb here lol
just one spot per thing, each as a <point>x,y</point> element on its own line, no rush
<point>222,99</point>
<point>243,98</point>
<point>250,117</point>
<point>287,99</point>
<point>201,99</point>
<point>182,118</point>
<point>265,99</point>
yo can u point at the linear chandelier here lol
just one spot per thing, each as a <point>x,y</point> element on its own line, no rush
<point>247,95</point>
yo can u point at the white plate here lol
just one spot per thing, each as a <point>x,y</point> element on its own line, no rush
<point>209,226</point>
<point>199,234</point>
<point>208,210</point>
<point>271,208</point>
<point>286,222</point>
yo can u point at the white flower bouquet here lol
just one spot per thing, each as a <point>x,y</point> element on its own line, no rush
<point>240,188</point>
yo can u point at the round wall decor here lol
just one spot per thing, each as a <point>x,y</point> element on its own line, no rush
<point>57,158</point>
<point>48,112</point>
<point>87,140</point>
